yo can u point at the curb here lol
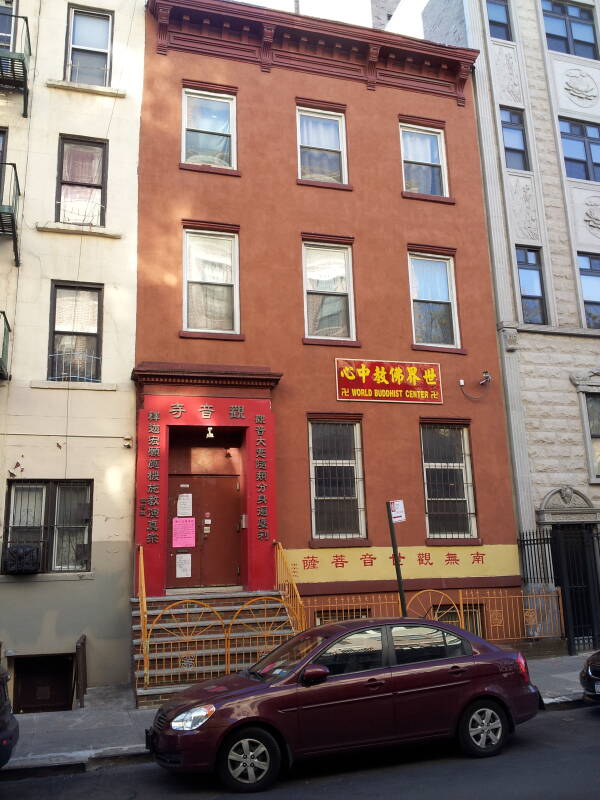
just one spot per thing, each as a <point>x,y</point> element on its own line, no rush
<point>564,702</point>
<point>65,764</point>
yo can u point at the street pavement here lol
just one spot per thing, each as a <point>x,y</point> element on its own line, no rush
<point>555,756</point>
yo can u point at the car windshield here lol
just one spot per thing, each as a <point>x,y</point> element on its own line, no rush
<point>281,661</point>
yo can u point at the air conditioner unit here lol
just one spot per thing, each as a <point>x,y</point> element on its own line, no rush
<point>22,559</point>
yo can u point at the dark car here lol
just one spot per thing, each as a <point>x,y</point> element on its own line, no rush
<point>589,677</point>
<point>344,686</point>
<point>9,727</point>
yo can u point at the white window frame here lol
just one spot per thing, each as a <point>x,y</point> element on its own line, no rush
<point>236,279</point>
<point>439,133</point>
<point>467,472</point>
<point>227,98</point>
<point>90,13</point>
<point>341,120</point>
<point>451,293</point>
<point>359,484</point>
<point>347,249</point>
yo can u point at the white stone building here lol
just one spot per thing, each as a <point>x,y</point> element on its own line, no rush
<point>70,97</point>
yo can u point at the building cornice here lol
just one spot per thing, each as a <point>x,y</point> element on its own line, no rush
<point>160,372</point>
<point>278,39</point>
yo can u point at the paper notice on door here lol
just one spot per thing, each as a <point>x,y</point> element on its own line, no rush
<point>184,505</point>
<point>184,532</point>
<point>183,565</point>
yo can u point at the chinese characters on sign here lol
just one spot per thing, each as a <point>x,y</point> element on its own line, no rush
<point>262,475</point>
<point>368,559</point>
<point>150,505</point>
<point>388,381</point>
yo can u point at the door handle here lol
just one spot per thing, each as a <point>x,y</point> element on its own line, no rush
<point>375,683</point>
<point>456,670</point>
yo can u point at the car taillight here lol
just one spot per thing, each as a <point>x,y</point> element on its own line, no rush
<point>522,667</point>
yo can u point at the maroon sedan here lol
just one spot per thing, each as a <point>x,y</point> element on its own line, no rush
<point>342,686</point>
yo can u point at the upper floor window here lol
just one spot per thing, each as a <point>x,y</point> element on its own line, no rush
<point>570,28</point>
<point>89,47</point>
<point>6,24</point>
<point>581,149</point>
<point>513,134</point>
<point>321,146</point>
<point>423,161</point>
<point>209,129</point>
<point>211,296</point>
<point>589,269</point>
<point>532,285</point>
<point>75,332</point>
<point>433,301</point>
<point>593,414</point>
<point>81,187</point>
<point>498,19</point>
<point>329,307</point>
<point>450,500</point>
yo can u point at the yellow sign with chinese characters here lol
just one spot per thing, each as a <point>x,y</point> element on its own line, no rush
<point>375,563</point>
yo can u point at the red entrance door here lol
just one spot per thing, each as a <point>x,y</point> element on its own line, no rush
<point>211,557</point>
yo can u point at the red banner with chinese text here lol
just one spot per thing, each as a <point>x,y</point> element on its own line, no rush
<point>388,381</point>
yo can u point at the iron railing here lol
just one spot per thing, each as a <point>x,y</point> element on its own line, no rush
<point>15,52</point>
<point>535,552</point>
<point>10,193</point>
<point>74,366</point>
<point>64,548</point>
<point>4,343</point>
<point>286,586</point>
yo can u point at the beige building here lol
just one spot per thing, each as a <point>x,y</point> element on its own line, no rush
<point>70,95</point>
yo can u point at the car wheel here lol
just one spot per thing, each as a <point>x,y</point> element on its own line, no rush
<point>483,729</point>
<point>249,760</point>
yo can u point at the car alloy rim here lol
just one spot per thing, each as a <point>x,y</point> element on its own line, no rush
<point>485,728</point>
<point>248,760</point>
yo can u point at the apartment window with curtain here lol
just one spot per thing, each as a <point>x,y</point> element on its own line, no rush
<point>433,300</point>
<point>449,492</point>
<point>423,160</point>
<point>209,129</point>
<point>75,351</point>
<point>498,19</point>
<point>81,186</point>
<point>531,282</point>
<point>593,416</point>
<point>321,146</point>
<point>336,480</point>
<point>329,306</point>
<point>570,28</point>
<point>89,47</point>
<point>515,143</point>
<point>589,271</point>
<point>48,526</point>
<point>581,149</point>
<point>211,296</point>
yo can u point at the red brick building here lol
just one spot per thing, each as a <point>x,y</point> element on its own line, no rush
<point>316,331</point>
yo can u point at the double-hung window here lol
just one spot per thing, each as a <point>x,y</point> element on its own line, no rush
<point>533,302</point>
<point>75,332</point>
<point>336,480</point>
<point>7,20</point>
<point>89,47</point>
<point>449,495</point>
<point>581,149</point>
<point>209,129</point>
<point>513,134</point>
<point>49,526</point>
<point>81,186</point>
<point>211,297</point>
<point>321,146</point>
<point>570,28</point>
<point>424,162</point>
<point>433,301</point>
<point>593,415</point>
<point>329,308</point>
<point>589,270</point>
<point>498,20</point>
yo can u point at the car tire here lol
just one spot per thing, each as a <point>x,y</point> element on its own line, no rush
<point>4,759</point>
<point>249,760</point>
<point>483,729</point>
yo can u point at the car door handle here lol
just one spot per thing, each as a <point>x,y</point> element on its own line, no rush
<point>375,683</point>
<point>456,670</point>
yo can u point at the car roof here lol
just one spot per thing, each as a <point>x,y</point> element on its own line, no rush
<point>349,625</point>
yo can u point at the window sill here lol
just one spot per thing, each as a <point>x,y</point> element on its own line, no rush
<point>234,173</point>
<point>332,342</point>
<point>451,542</point>
<point>434,198</point>
<point>435,349</point>
<point>344,187</point>
<point>74,385</point>
<point>44,577</point>
<point>77,230</point>
<point>553,330</point>
<point>357,542</point>
<point>233,337</point>
<point>87,88</point>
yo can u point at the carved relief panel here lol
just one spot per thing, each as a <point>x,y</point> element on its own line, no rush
<point>585,203</point>
<point>507,76</point>
<point>577,88</point>
<point>524,213</point>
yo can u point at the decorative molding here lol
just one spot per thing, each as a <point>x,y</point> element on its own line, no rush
<point>153,372</point>
<point>567,504</point>
<point>581,88</point>
<point>371,69</point>
<point>507,77</point>
<point>266,49</point>
<point>523,206</point>
<point>591,218</point>
<point>163,12</point>
<point>321,105</point>
<point>203,225</point>
<point>422,122</point>
<point>430,249</point>
<point>326,238</point>
<point>510,337</point>
<point>320,416</point>
<point>202,86</point>
<point>586,382</point>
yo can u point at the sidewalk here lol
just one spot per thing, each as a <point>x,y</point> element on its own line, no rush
<point>110,727</point>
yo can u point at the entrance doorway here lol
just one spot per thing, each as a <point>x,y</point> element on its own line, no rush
<point>205,507</point>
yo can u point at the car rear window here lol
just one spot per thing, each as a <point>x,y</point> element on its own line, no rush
<point>414,643</point>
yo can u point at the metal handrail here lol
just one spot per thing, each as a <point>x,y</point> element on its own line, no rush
<point>286,585</point>
<point>10,186</point>
<point>143,606</point>
<point>23,34</point>
<point>74,366</point>
<point>5,331</point>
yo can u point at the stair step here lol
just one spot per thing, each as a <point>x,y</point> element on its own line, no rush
<point>193,624</point>
<point>216,637</point>
<point>166,689</point>
<point>154,612</point>
<point>204,596</point>
<point>139,673</point>
<point>202,653</point>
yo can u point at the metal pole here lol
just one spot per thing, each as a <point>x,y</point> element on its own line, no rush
<point>396,560</point>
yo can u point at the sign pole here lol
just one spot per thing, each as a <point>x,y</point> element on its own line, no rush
<point>396,559</point>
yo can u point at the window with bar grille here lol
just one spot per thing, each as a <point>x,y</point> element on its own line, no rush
<point>449,496</point>
<point>75,332</point>
<point>54,517</point>
<point>336,480</point>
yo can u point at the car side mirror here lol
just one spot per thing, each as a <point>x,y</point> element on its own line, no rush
<point>315,673</point>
